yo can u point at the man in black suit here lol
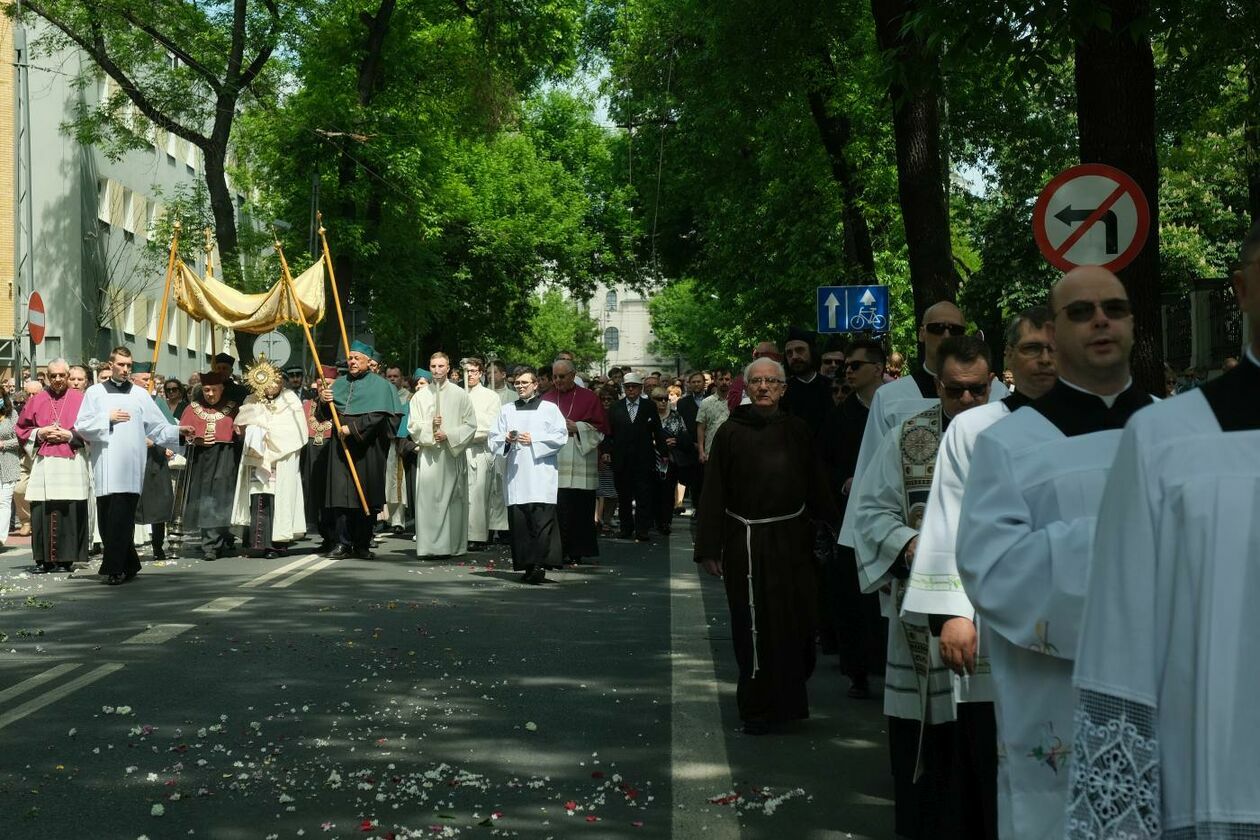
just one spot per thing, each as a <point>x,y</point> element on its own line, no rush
<point>632,448</point>
<point>688,405</point>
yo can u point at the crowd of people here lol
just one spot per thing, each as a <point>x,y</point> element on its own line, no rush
<point>1050,569</point>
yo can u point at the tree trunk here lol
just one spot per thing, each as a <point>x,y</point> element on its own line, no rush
<point>367,84</point>
<point>836,131</point>
<point>1115,107</point>
<point>1251,141</point>
<point>916,130</point>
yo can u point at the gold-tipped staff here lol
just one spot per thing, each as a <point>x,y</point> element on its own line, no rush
<point>166,295</point>
<point>310,340</point>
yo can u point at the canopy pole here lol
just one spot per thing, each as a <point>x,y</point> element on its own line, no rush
<point>332,279</point>
<point>166,294</point>
<point>310,340</point>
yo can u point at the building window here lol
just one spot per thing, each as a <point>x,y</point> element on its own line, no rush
<point>612,338</point>
<point>610,301</point>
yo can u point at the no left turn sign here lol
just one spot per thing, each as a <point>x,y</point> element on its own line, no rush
<point>1091,214</point>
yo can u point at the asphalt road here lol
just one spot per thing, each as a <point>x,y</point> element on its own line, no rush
<point>299,697</point>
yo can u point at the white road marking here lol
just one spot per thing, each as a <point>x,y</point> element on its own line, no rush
<point>158,633</point>
<point>222,605</point>
<point>53,695</point>
<point>308,571</point>
<point>275,573</point>
<point>37,680</point>
<point>700,766</point>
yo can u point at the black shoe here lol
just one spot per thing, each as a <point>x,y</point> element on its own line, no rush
<point>66,567</point>
<point>338,551</point>
<point>860,691</point>
<point>756,727</point>
<point>642,538</point>
<point>210,556</point>
<point>116,580</point>
<point>397,529</point>
<point>130,575</point>
<point>360,554</point>
<point>535,576</point>
<point>325,547</point>
<point>159,554</point>
<point>46,567</point>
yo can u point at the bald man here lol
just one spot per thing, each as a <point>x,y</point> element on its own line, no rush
<point>1025,541</point>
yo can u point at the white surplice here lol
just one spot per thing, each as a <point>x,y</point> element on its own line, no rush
<point>579,459</point>
<point>275,432</point>
<point>934,587</point>
<point>441,469</point>
<point>882,529</point>
<point>119,450</point>
<point>1024,545</point>
<point>892,403</point>
<point>486,509</point>
<point>1166,726</point>
<point>532,473</point>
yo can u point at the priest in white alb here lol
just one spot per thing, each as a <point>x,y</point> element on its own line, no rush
<point>1166,722</point>
<point>530,434</point>
<point>442,422</point>
<point>486,509</point>
<point>917,686</point>
<point>587,424</point>
<point>897,400</point>
<point>1025,538</point>
<point>934,593</point>
<point>269,499</point>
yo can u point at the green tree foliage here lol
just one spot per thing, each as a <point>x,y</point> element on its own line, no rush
<point>556,322</point>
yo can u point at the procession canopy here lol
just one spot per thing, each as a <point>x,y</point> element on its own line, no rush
<point>207,299</point>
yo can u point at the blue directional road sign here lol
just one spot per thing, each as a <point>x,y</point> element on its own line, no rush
<point>853,309</point>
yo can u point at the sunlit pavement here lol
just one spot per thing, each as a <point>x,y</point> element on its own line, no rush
<point>302,697</point>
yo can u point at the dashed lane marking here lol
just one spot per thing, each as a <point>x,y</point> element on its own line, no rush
<point>275,573</point>
<point>308,571</point>
<point>158,633</point>
<point>222,605</point>
<point>54,694</point>
<point>37,680</point>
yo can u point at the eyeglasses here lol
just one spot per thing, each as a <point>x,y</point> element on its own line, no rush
<point>1034,349</point>
<point>1082,311</point>
<point>955,392</point>
<point>942,327</point>
<point>171,390</point>
<point>758,381</point>
<point>856,364</point>
<point>660,399</point>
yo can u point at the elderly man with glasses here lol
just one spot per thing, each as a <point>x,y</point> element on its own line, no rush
<point>763,486</point>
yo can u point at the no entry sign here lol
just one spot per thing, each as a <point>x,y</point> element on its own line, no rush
<point>35,318</point>
<point>1091,214</point>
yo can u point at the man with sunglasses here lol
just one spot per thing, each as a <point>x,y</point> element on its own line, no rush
<point>1025,541</point>
<point>1173,592</point>
<point>887,518</point>
<point>910,394</point>
<point>934,595</point>
<point>860,634</point>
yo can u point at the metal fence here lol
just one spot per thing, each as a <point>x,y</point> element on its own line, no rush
<point>1203,327</point>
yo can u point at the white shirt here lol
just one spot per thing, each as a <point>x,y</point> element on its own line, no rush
<point>532,473</point>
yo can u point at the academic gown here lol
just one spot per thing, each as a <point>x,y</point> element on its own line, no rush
<point>442,469</point>
<point>532,478</point>
<point>1166,737</point>
<point>314,465</point>
<point>486,509</point>
<point>892,402</point>
<point>1024,548</point>
<point>211,469</point>
<point>157,501</point>
<point>762,486</point>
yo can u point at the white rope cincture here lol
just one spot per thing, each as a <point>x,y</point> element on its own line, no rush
<point>752,604</point>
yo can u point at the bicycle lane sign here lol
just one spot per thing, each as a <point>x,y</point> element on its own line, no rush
<point>853,309</point>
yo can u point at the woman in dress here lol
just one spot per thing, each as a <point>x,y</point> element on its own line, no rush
<point>679,451</point>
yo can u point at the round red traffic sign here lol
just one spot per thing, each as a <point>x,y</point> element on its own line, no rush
<point>35,317</point>
<point>1092,214</point>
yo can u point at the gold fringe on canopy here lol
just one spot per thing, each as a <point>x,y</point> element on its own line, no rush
<point>207,299</point>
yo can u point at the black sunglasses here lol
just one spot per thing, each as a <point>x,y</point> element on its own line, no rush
<point>955,392</point>
<point>1081,311</point>
<point>856,364</point>
<point>660,399</point>
<point>941,327</point>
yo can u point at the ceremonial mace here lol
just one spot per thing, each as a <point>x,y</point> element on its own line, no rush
<point>310,340</point>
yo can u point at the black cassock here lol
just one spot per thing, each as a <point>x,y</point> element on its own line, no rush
<point>370,437</point>
<point>211,477</point>
<point>764,468</point>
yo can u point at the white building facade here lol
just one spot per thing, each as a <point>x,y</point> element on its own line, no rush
<point>625,327</point>
<point>91,218</point>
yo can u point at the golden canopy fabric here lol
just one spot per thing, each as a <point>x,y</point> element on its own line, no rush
<point>220,304</point>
